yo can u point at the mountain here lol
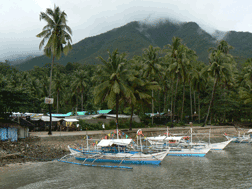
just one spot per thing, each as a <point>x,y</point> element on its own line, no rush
<point>133,37</point>
<point>20,58</point>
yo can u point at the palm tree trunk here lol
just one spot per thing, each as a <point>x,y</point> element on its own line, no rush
<point>173,115</point>
<point>131,116</point>
<point>117,107</point>
<point>57,101</point>
<point>82,101</point>
<point>159,102</point>
<point>50,86</point>
<point>76,105</point>
<point>199,106</point>
<point>194,101</point>
<point>224,94</point>
<point>152,103</point>
<point>165,101</point>
<point>215,82</point>
<point>182,110</point>
<point>191,101</point>
<point>171,99</point>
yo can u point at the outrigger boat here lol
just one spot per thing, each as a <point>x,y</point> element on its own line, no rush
<point>245,138</point>
<point>181,146</point>
<point>178,147</point>
<point>117,151</point>
<point>213,146</point>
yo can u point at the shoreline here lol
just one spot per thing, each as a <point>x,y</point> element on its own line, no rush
<point>36,149</point>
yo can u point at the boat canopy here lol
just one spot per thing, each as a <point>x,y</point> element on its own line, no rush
<point>173,138</point>
<point>158,138</point>
<point>120,142</point>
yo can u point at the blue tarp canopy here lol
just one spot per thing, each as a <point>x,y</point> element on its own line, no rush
<point>4,133</point>
<point>12,134</point>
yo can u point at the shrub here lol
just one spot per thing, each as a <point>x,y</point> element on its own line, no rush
<point>112,125</point>
<point>181,123</point>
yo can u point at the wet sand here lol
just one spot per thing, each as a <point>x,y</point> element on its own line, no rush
<point>33,149</point>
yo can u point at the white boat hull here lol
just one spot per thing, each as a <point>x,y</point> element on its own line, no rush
<point>189,152</point>
<point>220,145</point>
<point>215,146</point>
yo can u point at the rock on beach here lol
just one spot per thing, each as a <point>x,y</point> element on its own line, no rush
<point>32,149</point>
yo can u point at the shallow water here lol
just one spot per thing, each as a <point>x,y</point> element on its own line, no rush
<point>230,168</point>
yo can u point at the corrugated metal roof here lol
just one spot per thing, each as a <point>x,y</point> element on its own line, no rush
<point>60,115</point>
<point>71,120</point>
<point>81,113</point>
<point>104,111</point>
<point>47,119</point>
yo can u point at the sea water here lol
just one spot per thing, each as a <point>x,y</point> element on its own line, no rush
<point>229,168</point>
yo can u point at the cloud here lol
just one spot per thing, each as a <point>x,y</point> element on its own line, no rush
<point>20,22</point>
<point>44,4</point>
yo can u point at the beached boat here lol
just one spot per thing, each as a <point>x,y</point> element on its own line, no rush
<point>118,151</point>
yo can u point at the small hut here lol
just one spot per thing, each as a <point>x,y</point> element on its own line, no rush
<point>10,130</point>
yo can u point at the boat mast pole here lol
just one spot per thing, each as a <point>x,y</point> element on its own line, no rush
<point>167,134</point>
<point>141,144</point>
<point>87,138</point>
<point>209,136</point>
<point>117,130</point>
<point>137,141</point>
<point>191,134</point>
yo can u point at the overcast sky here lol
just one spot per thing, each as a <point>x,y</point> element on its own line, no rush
<point>20,19</point>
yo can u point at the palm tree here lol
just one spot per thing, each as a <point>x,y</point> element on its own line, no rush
<point>219,69</point>
<point>58,86</point>
<point>80,83</point>
<point>111,79</point>
<point>140,87</point>
<point>172,52</point>
<point>59,40</point>
<point>34,87</point>
<point>245,91</point>
<point>151,66</point>
<point>185,56</point>
<point>224,47</point>
<point>198,82</point>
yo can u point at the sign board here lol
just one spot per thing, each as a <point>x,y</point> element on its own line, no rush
<point>48,100</point>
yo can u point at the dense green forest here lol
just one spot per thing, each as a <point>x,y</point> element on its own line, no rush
<point>181,85</point>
